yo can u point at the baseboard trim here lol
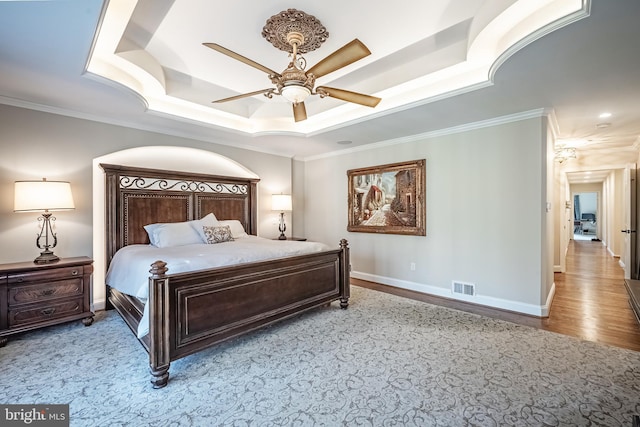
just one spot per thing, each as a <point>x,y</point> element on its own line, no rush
<point>99,305</point>
<point>546,308</point>
<point>502,304</point>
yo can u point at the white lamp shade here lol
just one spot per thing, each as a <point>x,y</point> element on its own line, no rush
<point>295,93</point>
<point>42,195</point>
<point>281,202</point>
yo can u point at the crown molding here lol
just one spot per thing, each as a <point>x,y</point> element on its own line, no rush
<point>541,112</point>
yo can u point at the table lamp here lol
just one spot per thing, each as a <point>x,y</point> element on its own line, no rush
<point>281,202</point>
<point>45,196</point>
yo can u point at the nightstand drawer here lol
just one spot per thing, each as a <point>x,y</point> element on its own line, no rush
<point>44,312</point>
<point>45,291</point>
<point>38,276</point>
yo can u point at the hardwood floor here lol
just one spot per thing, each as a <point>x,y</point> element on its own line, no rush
<point>590,300</point>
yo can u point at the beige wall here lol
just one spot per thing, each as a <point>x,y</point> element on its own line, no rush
<point>36,144</point>
<point>486,201</point>
<point>563,219</point>
<point>548,235</point>
<point>486,213</point>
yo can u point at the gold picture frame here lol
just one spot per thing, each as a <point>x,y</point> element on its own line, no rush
<point>388,198</point>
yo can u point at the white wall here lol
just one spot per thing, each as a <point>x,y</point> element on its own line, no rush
<point>486,213</point>
<point>614,238</point>
<point>563,220</point>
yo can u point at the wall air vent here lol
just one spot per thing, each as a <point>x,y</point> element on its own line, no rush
<point>468,289</point>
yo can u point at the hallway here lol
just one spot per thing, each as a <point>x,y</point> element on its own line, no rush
<point>590,300</point>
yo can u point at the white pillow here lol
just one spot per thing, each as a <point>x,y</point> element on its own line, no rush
<point>168,234</point>
<point>208,220</point>
<point>172,234</point>
<point>237,230</point>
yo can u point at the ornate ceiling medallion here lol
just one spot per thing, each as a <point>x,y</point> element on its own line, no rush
<point>294,21</point>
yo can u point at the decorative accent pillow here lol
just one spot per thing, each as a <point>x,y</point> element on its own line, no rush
<point>218,234</point>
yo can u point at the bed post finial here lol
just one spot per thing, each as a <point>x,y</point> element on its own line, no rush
<point>158,268</point>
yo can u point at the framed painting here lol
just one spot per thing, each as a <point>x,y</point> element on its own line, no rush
<point>388,199</point>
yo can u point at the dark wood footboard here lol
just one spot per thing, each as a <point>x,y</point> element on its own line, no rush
<point>193,311</point>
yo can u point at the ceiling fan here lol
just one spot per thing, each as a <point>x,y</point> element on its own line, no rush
<point>296,32</point>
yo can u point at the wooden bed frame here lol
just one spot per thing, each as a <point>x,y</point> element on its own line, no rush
<point>192,311</point>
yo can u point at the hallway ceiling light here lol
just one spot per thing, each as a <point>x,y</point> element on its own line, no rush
<point>563,154</point>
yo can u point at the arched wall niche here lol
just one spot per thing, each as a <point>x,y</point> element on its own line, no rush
<point>155,157</point>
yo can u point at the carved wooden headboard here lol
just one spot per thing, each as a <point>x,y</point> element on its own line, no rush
<point>136,197</point>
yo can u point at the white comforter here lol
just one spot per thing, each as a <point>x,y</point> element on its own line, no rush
<point>129,268</point>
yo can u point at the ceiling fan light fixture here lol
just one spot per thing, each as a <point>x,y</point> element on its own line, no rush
<point>296,32</point>
<point>295,93</point>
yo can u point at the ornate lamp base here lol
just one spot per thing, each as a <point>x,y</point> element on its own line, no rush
<point>282,227</point>
<point>47,254</point>
<point>45,257</point>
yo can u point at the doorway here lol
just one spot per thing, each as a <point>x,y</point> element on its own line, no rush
<point>585,216</point>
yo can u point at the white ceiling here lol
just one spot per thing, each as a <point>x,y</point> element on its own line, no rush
<point>437,65</point>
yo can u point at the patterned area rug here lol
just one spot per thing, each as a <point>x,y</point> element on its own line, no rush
<point>385,361</point>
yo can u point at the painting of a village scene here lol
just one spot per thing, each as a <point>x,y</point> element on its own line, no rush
<point>388,199</point>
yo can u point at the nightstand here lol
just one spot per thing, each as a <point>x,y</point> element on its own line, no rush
<point>33,295</point>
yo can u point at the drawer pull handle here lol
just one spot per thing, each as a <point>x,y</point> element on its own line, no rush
<point>48,311</point>
<point>48,292</point>
<point>74,273</point>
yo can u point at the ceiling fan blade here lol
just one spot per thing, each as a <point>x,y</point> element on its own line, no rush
<point>240,58</point>
<point>244,95</point>
<point>299,112</point>
<point>347,54</point>
<point>347,95</point>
